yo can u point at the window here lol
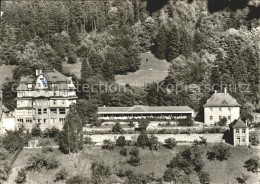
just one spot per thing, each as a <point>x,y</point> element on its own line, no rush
<point>39,120</point>
<point>220,109</point>
<point>62,111</point>
<point>243,139</point>
<point>20,120</point>
<point>44,111</point>
<point>39,111</point>
<point>29,86</point>
<point>54,93</point>
<point>53,111</point>
<point>229,118</point>
<point>44,120</point>
<point>63,102</point>
<point>28,120</point>
<point>243,130</point>
<point>54,102</point>
<point>237,130</point>
<point>211,117</point>
<point>62,120</point>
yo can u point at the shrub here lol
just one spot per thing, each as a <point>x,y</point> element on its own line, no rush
<point>61,175</point>
<point>21,177</point>
<point>170,143</point>
<point>77,180</point>
<point>154,144</point>
<point>14,140</point>
<point>133,178</point>
<point>52,163</point>
<point>123,152</point>
<point>220,152</point>
<point>100,171</point>
<point>222,121</point>
<point>38,161</point>
<point>88,140</point>
<point>143,140</point>
<point>52,133</point>
<point>3,154</point>
<point>203,141</point>
<point>252,164</point>
<point>108,144</point>
<point>134,151</point>
<point>254,137</point>
<point>121,141</point>
<point>4,172</point>
<point>143,124</point>
<point>242,178</point>
<point>117,128</point>
<point>134,161</point>
<point>36,131</point>
<point>186,122</point>
<point>204,177</point>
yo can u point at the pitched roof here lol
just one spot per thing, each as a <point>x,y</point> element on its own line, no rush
<point>52,76</point>
<point>144,109</point>
<point>221,100</point>
<point>239,124</point>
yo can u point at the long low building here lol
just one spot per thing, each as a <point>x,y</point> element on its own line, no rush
<point>140,111</point>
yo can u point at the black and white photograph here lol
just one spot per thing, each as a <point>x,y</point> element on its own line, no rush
<point>129,91</point>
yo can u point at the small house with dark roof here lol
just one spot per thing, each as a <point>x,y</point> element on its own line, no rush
<point>240,133</point>
<point>44,98</point>
<point>221,105</point>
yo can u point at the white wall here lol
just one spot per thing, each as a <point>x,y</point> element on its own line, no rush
<point>215,112</point>
<point>7,123</point>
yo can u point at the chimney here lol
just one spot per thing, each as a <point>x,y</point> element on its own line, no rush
<point>38,72</point>
<point>225,90</point>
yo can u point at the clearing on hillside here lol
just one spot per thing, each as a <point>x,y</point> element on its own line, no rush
<point>151,70</point>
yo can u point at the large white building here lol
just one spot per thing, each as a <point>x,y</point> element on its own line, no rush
<point>44,98</point>
<point>221,105</point>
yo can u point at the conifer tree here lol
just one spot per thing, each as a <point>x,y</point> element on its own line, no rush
<point>186,43</point>
<point>71,138</point>
<point>161,42</point>
<point>86,70</point>
<point>174,44</point>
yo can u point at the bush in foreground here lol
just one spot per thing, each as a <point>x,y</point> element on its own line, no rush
<point>121,141</point>
<point>38,161</point>
<point>61,175</point>
<point>170,143</point>
<point>252,164</point>
<point>220,152</point>
<point>21,177</point>
<point>100,171</point>
<point>123,152</point>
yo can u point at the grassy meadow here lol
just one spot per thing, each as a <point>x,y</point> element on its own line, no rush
<point>152,161</point>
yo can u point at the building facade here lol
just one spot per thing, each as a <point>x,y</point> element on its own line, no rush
<point>240,133</point>
<point>44,99</point>
<point>140,111</point>
<point>221,105</point>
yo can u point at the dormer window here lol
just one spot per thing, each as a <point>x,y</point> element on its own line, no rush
<point>29,86</point>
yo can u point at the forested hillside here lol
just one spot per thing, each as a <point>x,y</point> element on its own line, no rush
<point>206,42</point>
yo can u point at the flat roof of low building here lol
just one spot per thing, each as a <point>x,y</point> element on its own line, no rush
<point>144,109</point>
